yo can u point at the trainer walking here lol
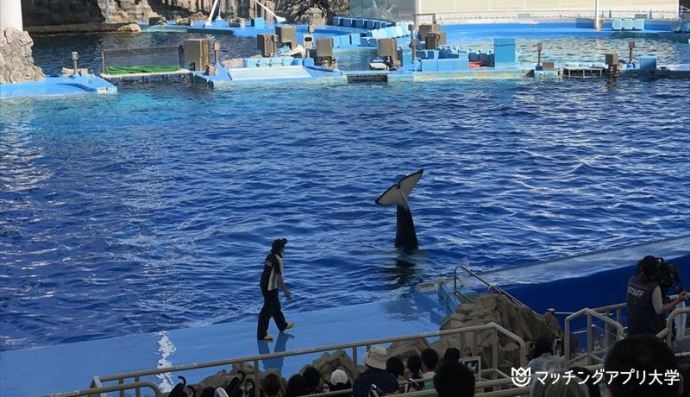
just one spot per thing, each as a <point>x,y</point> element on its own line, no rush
<point>271,279</point>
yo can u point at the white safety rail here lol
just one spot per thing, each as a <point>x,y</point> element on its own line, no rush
<point>536,15</point>
<point>133,380</point>
<point>597,348</point>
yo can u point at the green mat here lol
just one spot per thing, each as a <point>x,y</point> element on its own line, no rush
<point>119,70</point>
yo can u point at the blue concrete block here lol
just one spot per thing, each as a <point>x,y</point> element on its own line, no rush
<point>336,21</point>
<point>347,22</point>
<point>628,24</point>
<point>504,51</point>
<point>355,39</point>
<point>445,65</point>
<point>429,65</point>
<point>405,56</point>
<point>369,24</point>
<point>259,23</point>
<point>308,62</point>
<point>648,62</point>
<point>250,62</point>
<point>377,24</point>
<point>463,63</point>
<point>359,23</point>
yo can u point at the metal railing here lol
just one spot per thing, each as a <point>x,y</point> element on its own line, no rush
<point>667,333</point>
<point>112,388</point>
<point>491,288</point>
<point>461,16</point>
<point>136,376</point>
<point>591,354</point>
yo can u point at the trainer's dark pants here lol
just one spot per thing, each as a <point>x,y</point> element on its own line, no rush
<point>271,309</point>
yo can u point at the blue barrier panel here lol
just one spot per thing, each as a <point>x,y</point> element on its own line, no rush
<point>617,24</point>
<point>347,22</point>
<point>264,62</point>
<point>359,23</point>
<point>648,62</point>
<point>336,21</point>
<point>638,24</point>
<point>369,24</point>
<point>505,52</point>
<point>308,62</point>
<point>355,39</point>
<point>298,61</point>
<point>429,65</point>
<point>377,24</point>
<point>259,23</point>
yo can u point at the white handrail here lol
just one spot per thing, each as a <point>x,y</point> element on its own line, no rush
<point>273,14</point>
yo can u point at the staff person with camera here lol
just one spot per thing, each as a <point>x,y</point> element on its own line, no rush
<point>645,300</point>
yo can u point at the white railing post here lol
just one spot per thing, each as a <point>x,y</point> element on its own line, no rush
<point>11,14</point>
<point>597,21</point>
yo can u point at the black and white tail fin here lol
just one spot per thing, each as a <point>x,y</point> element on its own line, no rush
<point>397,194</point>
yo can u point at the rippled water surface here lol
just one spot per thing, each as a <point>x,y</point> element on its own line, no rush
<point>153,209</point>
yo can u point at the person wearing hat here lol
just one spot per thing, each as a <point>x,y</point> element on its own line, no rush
<point>339,381</point>
<point>271,279</point>
<point>375,376</point>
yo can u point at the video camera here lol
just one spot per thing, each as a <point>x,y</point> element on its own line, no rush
<point>667,276</point>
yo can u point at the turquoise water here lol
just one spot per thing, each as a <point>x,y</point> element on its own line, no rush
<point>153,209</point>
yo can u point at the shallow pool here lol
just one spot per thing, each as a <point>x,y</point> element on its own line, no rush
<point>153,209</point>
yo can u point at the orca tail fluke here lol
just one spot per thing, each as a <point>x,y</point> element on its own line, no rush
<point>397,194</point>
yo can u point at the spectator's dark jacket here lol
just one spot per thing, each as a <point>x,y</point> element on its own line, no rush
<point>382,379</point>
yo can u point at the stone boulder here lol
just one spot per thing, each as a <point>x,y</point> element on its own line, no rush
<point>129,28</point>
<point>16,60</point>
<point>328,363</point>
<point>519,320</point>
<point>405,349</point>
<point>320,10</point>
<point>157,20</point>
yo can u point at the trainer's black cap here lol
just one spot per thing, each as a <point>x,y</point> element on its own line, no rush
<point>278,244</point>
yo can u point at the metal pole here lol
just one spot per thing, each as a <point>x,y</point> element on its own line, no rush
<point>597,21</point>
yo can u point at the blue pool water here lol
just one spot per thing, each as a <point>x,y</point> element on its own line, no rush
<point>153,209</point>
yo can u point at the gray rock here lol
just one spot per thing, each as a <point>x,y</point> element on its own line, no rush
<point>16,60</point>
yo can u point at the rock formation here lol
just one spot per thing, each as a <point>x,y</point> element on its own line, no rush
<point>319,11</point>
<point>521,321</point>
<point>16,61</point>
<point>66,12</point>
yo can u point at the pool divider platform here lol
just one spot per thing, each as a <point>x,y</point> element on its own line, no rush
<point>143,76</point>
<point>65,367</point>
<point>57,86</point>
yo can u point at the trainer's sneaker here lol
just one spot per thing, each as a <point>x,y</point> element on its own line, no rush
<point>267,337</point>
<point>289,325</point>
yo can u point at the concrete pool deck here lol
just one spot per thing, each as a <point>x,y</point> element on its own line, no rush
<point>66,367</point>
